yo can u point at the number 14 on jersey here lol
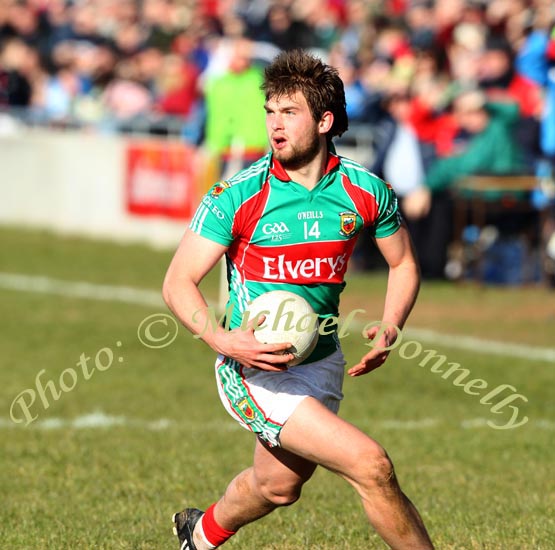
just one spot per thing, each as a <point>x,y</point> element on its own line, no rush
<point>314,230</point>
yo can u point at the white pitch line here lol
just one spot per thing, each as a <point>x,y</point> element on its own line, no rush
<point>130,295</point>
<point>479,345</point>
<point>80,289</point>
<point>96,419</point>
<point>99,419</point>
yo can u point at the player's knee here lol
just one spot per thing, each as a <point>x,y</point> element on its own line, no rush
<point>375,469</point>
<point>280,493</point>
<point>382,472</point>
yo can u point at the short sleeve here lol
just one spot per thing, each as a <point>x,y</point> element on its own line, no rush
<point>389,217</point>
<point>213,218</point>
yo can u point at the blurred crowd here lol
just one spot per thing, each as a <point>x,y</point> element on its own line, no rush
<point>448,88</point>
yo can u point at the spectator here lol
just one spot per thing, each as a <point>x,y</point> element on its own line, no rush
<point>486,143</point>
<point>84,23</point>
<point>354,33</point>
<point>427,115</point>
<point>463,52</point>
<point>548,118</point>
<point>26,24</point>
<point>149,63</point>
<point>125,97</point>
<point>322,17</point>
<point>286,32</point>
<point>531,60</point>
<point>235,127</point>
<point>397,159</point>
<point>161,18</point>
<point>15,88</point>
<point>485,146</point>
<point>498,78</point>
<point>60,94</point>
<point>420,22</point>
<point>177,87</point>
<point>355,94</point>
<point>129,38</point>
<point>400,161</point>
<point>58,18</point>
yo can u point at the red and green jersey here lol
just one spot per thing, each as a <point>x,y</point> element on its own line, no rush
<point>283,236</point>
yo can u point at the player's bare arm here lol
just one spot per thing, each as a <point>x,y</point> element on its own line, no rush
<point>402,288</point>
<point>194,258</point>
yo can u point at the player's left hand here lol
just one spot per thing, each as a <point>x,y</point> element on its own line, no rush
<point>380,350</point>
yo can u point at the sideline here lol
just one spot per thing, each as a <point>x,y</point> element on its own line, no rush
<point>136,296</point>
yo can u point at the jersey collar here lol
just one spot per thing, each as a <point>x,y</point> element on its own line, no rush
<point>277,170</point>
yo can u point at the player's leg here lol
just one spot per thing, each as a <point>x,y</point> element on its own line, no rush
<point>320,436</point>
<point>274,480</point>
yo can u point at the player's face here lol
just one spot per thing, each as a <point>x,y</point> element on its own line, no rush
<point>293,133</point>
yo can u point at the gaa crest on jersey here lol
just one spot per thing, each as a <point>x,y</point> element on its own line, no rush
<point>244,406</point>
<point>219,188</point>
<point>348,223</point>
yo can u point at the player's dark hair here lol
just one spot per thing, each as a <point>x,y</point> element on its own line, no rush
<point>298,71</point>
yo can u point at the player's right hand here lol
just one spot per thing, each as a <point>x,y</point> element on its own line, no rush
<point>240,344</point>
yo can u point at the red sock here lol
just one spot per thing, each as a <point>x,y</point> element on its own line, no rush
<point>213,533</point>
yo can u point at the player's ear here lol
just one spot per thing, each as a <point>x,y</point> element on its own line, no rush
<point>326,122</point>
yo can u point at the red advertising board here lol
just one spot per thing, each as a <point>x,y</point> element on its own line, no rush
<point>160,179</point>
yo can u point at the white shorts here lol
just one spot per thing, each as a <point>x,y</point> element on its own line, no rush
<point>262,401</point>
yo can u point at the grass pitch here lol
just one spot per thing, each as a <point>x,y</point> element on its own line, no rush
<point>107,463</point>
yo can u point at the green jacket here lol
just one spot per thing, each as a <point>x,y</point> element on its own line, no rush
<point>493,151</point>
<point>235,111</point>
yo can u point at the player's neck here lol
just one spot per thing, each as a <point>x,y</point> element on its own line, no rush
<point>311,173</point>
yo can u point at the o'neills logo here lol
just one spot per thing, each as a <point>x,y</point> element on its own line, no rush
<point>280,269</point>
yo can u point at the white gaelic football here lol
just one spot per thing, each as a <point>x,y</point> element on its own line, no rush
<point>288,318</point>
